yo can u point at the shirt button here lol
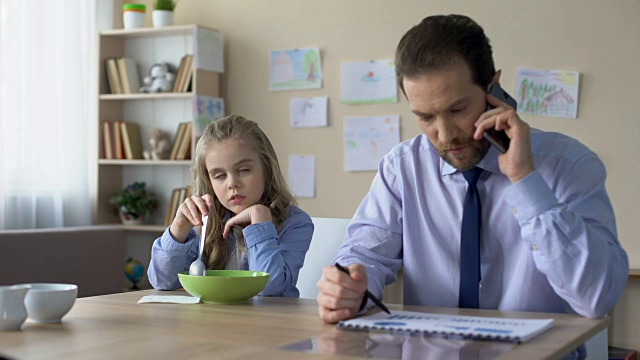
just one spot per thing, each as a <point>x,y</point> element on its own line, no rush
<point>534,247</point>
<point>480,287</point>
<point>514,210</point>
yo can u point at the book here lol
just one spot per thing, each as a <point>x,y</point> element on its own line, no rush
<point>129,77</point>
<point>131,140</point>
<point>113,76</point>
<point>117,139</point>
<point>172,208</point>
<point>184,151</point>
<point>187,74</point>
<point>176,141</point>
<point>176,83</point>
<point>107,139</point>
<point>473,327</point>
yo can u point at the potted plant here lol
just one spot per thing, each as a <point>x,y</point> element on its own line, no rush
<point>163,12</point>
<point>134,203</point>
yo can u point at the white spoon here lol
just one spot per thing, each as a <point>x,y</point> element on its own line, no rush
<point>197,267</point>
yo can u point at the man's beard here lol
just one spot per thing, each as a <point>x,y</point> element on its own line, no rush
<point>480,149</point>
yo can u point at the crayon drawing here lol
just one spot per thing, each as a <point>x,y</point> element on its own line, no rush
<point>206,109</point>
<point>308,112</point>
<point>295,69</point>
<point>368,82</point>
<point>547,92</point>
<point>367,139</point>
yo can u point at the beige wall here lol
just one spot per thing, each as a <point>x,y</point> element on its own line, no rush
<point>600,39</point>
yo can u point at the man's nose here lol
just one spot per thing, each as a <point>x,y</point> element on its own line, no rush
<point>447,132</point>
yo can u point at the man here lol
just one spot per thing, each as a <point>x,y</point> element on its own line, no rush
<point>547,232</point>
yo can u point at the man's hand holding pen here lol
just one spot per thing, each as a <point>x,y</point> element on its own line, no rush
<point>342,291</point>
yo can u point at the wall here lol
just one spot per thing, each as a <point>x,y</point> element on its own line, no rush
<point>600,39</point>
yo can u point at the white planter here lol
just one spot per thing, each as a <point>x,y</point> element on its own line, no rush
<point>162,18</point>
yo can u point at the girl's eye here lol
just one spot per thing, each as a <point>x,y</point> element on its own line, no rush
<point>244,170</point>
<point>218,176</point>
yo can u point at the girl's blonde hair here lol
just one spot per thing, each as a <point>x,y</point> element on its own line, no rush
<point>276,194</point>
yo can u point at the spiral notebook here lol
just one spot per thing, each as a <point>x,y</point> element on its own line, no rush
<point>472,327</point>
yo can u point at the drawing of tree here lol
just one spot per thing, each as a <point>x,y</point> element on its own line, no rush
<point>310,64</point>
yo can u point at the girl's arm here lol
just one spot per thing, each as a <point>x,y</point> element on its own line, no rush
<point>282,256</point>
<point>169,257</point>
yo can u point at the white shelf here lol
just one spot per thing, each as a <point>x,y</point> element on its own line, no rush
<point>146,96</point>
<point>153,32</point>
<point>144,162</point>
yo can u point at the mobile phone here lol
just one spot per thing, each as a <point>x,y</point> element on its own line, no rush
<point>499,138</point>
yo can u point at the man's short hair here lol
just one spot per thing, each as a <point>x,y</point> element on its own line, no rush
<point>440,40</point>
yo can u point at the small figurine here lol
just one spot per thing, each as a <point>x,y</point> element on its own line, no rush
<point>160,79</point>
<point>160,146</point>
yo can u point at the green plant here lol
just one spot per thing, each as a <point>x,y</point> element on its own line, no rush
<point>164,4</point>
<point>134,200</point>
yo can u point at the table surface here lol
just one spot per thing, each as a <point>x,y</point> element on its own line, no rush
<point>115,326</point>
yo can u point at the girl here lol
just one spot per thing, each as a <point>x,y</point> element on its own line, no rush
<point>253,221</point>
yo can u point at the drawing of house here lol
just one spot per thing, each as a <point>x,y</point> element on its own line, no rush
<point>282,68</point>
<point>558,102</point>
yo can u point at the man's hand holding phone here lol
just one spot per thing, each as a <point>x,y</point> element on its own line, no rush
<point>516,163</point>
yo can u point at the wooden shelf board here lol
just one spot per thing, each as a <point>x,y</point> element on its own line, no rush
<point>634,273</point>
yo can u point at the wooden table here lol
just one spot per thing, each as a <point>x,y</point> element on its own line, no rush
<point>116,327</point>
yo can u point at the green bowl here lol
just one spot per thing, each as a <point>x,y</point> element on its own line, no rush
<point>224,286</point>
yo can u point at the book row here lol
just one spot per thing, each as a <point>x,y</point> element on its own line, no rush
<point>178,196</point>
<point>123,76</point>
<point>122,140</point>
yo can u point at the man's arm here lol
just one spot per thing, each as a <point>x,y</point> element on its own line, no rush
<point>570,230</point>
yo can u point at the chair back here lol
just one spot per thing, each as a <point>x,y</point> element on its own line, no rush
<point>328,235</point>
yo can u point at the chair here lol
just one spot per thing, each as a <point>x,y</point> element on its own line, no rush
<point>328,235</point>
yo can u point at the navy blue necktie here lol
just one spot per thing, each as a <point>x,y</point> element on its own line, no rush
<point>470,243</point>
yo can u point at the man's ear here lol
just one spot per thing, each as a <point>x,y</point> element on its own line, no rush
<point>496,78</point>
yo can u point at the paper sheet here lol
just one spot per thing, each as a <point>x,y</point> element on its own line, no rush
<point>295,69</point>
<point>368,82</point>
<point>308,112</point>
<point>170,299</point>
<point>368,139</point>
<point>209,51</point>
<point>547,92</point>
<point>302,175</point>
<point>206,109</point>
<point>520,330</point>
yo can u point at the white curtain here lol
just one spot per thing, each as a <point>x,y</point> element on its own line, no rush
<point>46,107</point>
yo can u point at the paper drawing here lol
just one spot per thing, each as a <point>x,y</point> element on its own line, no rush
<point>302,175</point>
<point>308,112</point>
<point>295,69</point>
<point>367,139</point>
<point>206,109</point>
<point>209,53</point>
<point>547,92</point>
<point>368,82</point>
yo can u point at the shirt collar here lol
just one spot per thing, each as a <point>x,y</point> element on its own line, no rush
<point>488,163</point>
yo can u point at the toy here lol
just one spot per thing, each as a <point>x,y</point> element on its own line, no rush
<point>160,79</point>
<point>160,146</point>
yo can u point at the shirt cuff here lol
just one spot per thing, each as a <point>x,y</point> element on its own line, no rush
<point>257,233</point>
<point>530,197</point>
<point>170,244</point>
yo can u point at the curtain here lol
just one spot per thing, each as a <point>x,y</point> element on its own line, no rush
<point>47,102</point>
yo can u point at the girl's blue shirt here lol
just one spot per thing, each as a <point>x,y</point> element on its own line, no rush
<point>281,255</point>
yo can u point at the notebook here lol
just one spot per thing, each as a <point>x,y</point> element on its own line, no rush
<point>473,327</point>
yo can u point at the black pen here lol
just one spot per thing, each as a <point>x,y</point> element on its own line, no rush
<point>366,292</point>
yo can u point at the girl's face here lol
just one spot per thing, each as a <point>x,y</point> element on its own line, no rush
<point>236,173</point>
